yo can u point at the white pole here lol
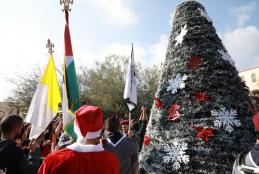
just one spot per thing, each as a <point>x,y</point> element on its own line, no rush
<point>129,120</point>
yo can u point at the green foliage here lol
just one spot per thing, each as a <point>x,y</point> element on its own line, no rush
<point>104,85</point>
<point>101,85</point>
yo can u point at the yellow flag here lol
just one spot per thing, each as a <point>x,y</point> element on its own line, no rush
<point>44,104</point>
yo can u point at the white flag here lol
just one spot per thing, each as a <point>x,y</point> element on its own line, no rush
<point>130,93</point>
<point>44,104</point>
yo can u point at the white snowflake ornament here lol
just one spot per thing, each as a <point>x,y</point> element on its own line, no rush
<point>176,83</point>
<point>225,118</point>
<point>180,37</point>
<point>226,57</point>
<point>204,14</point>
<point>176,154</point>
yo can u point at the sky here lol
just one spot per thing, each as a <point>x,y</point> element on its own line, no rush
<point>103,27</point>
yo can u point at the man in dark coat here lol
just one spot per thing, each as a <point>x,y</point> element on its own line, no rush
<point>12,158</point>
<point>249,162</point>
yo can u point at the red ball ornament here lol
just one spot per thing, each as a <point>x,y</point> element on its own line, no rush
<point>173,112</point>
<point>194,62</point>
<point>158,103</point>
<point>204,134</point>
<point>201,97</point>
<point>147,140</point>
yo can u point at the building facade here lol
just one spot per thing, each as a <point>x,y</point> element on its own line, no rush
<point>251,78</point>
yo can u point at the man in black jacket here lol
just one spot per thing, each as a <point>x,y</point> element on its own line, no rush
<point>248,162</point>
<point>12,158</point>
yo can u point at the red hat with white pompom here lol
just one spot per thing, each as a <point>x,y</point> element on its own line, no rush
<point>256,121</point>
<point>88,123</point>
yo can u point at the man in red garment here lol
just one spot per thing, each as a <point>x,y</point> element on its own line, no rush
<point>86,156</point>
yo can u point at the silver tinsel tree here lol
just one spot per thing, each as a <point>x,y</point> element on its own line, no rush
<point>201,117</point>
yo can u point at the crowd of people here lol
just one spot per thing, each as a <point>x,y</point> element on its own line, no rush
<point>54,147</point>
<point>101,147</point>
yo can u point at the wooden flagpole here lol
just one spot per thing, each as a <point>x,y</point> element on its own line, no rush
<point>129,120</point>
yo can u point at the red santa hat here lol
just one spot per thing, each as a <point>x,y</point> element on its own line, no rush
<point>256,121</point>
<point>124,122</point>
<point>88,123</point>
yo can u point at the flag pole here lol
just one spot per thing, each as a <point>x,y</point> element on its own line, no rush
<point>71,99</point>
<point>49,46</point>
<point>129,109</point>
<point>130,93</point>
<point>129,120</point>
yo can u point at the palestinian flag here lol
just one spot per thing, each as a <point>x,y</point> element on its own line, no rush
<point>71,99</point>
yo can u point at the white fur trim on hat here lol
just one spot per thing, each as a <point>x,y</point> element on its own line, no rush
<point>89,135</point>
<point>85,148</point>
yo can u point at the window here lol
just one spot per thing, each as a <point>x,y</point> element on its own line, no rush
<point>253,77</point>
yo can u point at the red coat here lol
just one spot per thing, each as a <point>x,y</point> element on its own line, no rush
<point>80,159</point>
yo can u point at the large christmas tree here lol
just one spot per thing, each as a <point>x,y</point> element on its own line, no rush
<point>201,117</point>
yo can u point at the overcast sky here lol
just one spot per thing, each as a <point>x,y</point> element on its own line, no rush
<point>102,27</point>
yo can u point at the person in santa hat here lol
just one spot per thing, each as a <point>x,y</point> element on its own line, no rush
<point>248,162</point>
<point>87,155</point>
